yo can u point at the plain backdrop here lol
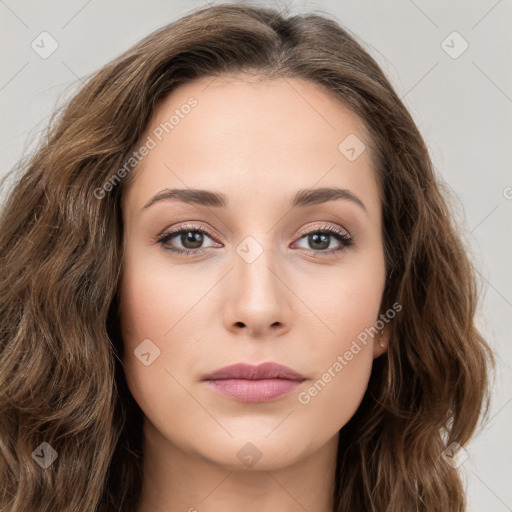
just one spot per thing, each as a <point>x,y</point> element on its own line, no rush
<point>461,99</point>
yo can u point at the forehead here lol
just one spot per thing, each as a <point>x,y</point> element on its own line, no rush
<point>247,136</point>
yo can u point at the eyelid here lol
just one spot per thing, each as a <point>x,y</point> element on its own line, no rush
<point>304,231</point>
<point>343,236</point>
<point>171,232</point>
<point>324,226</point>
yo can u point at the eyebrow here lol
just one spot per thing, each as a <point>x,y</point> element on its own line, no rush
<point>303,198</point>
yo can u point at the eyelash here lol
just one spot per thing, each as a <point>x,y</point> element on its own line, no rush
<point>342,236</point>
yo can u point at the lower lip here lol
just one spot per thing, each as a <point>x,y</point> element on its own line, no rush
<point>254,391</point>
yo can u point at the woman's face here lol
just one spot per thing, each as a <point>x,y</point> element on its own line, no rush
<point>252,289</point>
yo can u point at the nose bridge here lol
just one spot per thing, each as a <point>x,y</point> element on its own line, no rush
<point>255,265</point>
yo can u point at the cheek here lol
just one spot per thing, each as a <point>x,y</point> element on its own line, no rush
<point>341,348</point>
<point>155,298</point>
<point>343,304</point>
<point>343,363</point>
<point>330,400</point>
<point>146,315</point>
<point>160,318</point>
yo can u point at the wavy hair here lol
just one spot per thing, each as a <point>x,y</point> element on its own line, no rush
<point>61,379</point>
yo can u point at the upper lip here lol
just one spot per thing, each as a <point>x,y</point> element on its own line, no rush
<point>268,370</point>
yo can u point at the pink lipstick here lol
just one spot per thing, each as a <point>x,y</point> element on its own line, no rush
<point>253,384</point>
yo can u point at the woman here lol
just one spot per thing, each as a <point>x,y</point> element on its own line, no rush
<point>230,281</point>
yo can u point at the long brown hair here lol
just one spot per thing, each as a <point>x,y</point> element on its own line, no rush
<point>61,380</point>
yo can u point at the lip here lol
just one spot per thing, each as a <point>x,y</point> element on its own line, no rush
<point>249,371</point>
<point>249,383</point>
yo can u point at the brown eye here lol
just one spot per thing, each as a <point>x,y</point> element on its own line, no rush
<point>321,239</point>
<point>191,239</point>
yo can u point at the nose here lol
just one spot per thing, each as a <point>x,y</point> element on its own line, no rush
<point>258,298</point>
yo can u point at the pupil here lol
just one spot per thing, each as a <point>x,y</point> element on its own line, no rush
<point>322,239</point>
<point>193,237</point>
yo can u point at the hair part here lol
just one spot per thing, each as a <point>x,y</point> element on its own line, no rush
<point>61,378</point>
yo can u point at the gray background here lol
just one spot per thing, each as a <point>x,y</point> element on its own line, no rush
<point>462,106</point>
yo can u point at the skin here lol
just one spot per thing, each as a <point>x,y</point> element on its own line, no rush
<point>258,142</point>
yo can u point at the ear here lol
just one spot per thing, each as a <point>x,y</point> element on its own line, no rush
<point>381,341</point>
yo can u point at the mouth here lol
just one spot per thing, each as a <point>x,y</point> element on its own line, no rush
<point>244,382</point>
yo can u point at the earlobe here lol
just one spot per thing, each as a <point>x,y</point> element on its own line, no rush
<point>381,342</point>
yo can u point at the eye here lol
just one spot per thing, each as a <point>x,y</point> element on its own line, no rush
<point>191,238</point>
<point>320,239</point>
